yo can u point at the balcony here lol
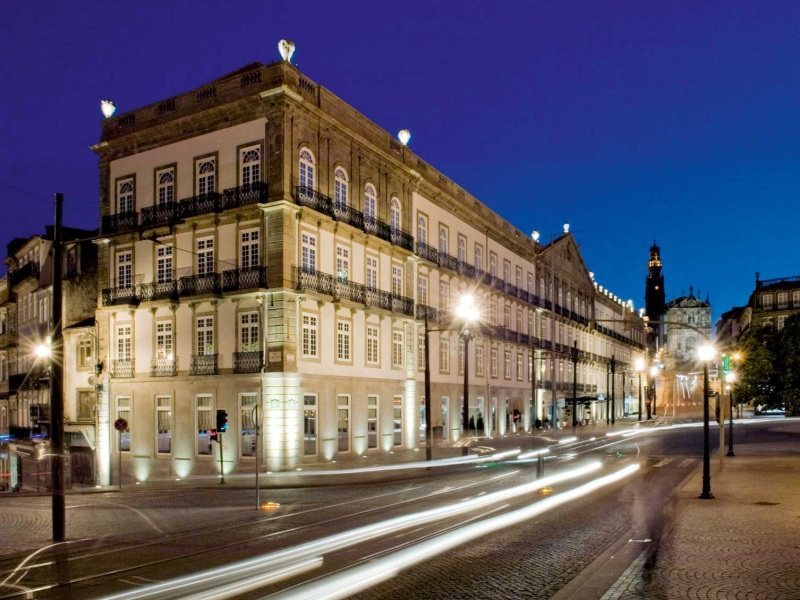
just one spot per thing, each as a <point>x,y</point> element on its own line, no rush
<point>119,223</point>
<point>306,196</point>
<point>244,195</point>
<point>433,315</point>
<point>402,239</point>
<point>249,278</point>
<point>162,290</point>
<point>197,285</point>
<point>349,215</point>
<point>427,252</point>
<point>160,214</point>
<point>309,279</point>
<point>403,305</point>
<point>204,364</point>
<point>248,362</point>
<point>30,269</point>
<point>447,261</point>
<point>120,295</point>
<point>466,269</point>
<point>122,368</point>
<point>202,204</point>
<point>164,366</point>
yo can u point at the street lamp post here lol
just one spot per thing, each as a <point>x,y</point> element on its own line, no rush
<point>653,373</point>
<point>608,400</point>
<point>468,312</point>
<point>613,399</point>
<point>574,358</point>
<point>428,422</point>
<point>730,378</point>
<point>705,353</point>
<point>639,366</point>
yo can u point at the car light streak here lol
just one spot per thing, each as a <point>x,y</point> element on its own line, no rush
<point>500,455</point>
<point>533,453</point>
<point>191,584</point>
<point>347,583</point>
<point>443,462</point>
<point>568,440</point>
<point>241,586</point>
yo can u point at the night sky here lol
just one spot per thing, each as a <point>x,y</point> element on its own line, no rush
<point>632,121</point>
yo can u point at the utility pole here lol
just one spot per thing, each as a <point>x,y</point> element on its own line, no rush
<point>574,357</point>
<point>56,384</point>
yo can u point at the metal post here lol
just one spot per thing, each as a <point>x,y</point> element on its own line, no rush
<point>119,453</point>
<point>533,387</point>
<point>613,390</point>
<point>428,424</point>
<point>640,395</point>
<point>257,424</point>
<point>608,396</point>
<point>221,465</point>
<point>706,493</point>
<point>655,409</point>
<point>465,416</point>
<point>56,384</point>
<point>730,425</point>
<point>575,384</point>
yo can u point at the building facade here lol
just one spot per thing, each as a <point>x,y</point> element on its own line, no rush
<point>274,254</point>
<point>688,324</point>
<point>774,300</point>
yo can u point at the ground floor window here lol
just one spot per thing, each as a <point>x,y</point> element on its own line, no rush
<point>343,422</point>
<point>397,409</point>
<point>309,425</point>
<point>372,421</point>
<point>247,418</point>
<point>124,412</point>
<point>204,424</point>
<point>164,424</point>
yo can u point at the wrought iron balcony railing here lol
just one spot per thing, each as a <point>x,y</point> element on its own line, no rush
<point>310,279</point>
<point>252,193</point>
<point>196,285</point>
<point>403,305</point>
<point>120,295</point>
<point>165,213</point>
<point>447,261</point>
<point>123,368</point>
<point>402,239</point>
<point>349,215</point>
<point>244,279</point>
<point>164,366</point>
<point>120,222</point>
<point>201,204</point>
<point>427,252</point>
<point>248,362</point>
<point>204,364</point>
<point>306,196</point>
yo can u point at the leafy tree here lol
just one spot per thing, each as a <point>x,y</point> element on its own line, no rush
<point>788,364</point>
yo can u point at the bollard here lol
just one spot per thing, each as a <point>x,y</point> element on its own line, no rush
<point>540,466</point>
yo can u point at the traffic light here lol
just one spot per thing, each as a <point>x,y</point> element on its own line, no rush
<point>212,433</point>
<point>222,420</point>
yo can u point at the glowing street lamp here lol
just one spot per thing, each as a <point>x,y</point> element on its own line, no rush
<point>404,135</point>
<point>638,365</point>
<point>467,312</point>
<point>42,351</point>
<point>706,353</point>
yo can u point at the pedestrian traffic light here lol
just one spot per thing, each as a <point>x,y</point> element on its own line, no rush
<point>222,420</point>
<point>212,433</point>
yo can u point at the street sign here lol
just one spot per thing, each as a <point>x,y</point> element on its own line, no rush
<point>121,424</point>
<point>726,363</point>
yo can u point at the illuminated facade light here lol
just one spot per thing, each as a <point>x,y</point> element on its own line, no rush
<point>286,48</point>
<point>566,227</point>
<point>108,108</point>
<point>404,135</point>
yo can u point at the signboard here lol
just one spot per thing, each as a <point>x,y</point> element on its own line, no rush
<point>121,424</point>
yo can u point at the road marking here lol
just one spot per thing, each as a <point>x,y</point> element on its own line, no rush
<point>663,461</point>
<point>686,462</point>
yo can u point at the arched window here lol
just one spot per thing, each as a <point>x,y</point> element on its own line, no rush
<point>396,215</point>
<point>250,165</point>
<point>370,203</point>
<point>422,229</point>
<point>442,239</point>
<point>166,186</point>
<point>306,169</point>
<point>125,196</point>
<point>340,188</point>
<point>206,176</point>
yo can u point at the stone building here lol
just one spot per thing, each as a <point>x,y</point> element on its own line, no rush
<point>774,300</point>
<point>274,254</point>
<point>688,324</point>
<point>25,326</point>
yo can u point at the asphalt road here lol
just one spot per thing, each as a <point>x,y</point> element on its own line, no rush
<point>137,538</point>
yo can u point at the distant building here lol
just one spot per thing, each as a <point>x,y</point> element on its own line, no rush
<point>655,303</point>
<point>774,300</point>
<point>688,323</point>
<point>731,325</point>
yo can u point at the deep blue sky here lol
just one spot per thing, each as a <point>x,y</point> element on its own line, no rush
<point>632,121</point>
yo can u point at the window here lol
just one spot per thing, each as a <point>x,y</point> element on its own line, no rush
<point>123,342</point>
<point>397,280</point>
<point>125,269</point>
<point>343,422</point>
<point>205,335</point>
<point>124,412</point>
<point>340,188</point>
<point>248,332</point>
<point>507,316</point>
<point>306,169</point>
<point>370,204</point>
<point>766,301</point>
<point>479,257</point>
<point>372,421</point>
<point>125,196</point>
<point>164,424</point>
<point>206,169</point>
<point>309,336</point>
<point>520,370</point>
<point>479,360</point>
<point>461,348</point>
<point>372,272</point>
<point>250,165</point>
<point>421,351</point>
<point>85,353</point>
<point>422,229</point>
<point>444,355</point>
<point>397,415</point>
<point>530,283</point>
<point>396,215</point>
<point>518,277</point>
<point>249,249</point>
<point>493,363</point>
<point>308,256</point>
<point>86,403</point>
<point>165,184</point>
<point>506,271</point>
<point>519,319</point>
<point>372,345</point>
<point>796,299</point>
<point>493,264</point>
<point>781,321</point>
<point>444,295</point>
<point>164,271</point>
<point>205,255</point>
<point>397,348</point>
<point>783,299</point>
<point>422,290</point>
<point>343,340</point>
<point>309,425</point>
<point>164,342</point>
<point>247,406</point>
<point>205,422</point>
<point>342,262</point>
<point>443,239</point>
<point>507,364</point>
<point>462,249</point>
